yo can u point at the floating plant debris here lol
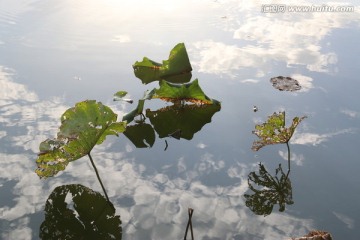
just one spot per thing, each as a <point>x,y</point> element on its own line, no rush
<point>285,83</point>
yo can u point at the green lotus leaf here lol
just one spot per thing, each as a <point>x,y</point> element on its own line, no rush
<point>88,216</point>
<point>273,131</point>
<point>184,121</point>
<point>176,69</point>
<point>82,127</point>
<point>187,92</point>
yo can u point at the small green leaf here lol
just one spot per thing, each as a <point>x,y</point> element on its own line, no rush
<point>82,127</point>
<point>273,131</point>
<point>176,69</point>
<point>188,92</point>
<point>119,96</point>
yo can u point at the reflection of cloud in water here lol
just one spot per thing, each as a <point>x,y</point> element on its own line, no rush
<point>304,81</point>
<point>350,113</point>
<point>298,159</point>
<point>345,219</point>
<point>22,108</point>
<point>293,38</point>
<point>28,187</point>
<point>2,134</point>
<point>250,81</point>
<point>219,58</point>
<point>314,138</point>
<point>201,145</point>
<point>21,231</point>
<point>158,202</point>
<point>13,91</point>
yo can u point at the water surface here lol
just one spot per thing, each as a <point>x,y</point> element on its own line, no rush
<point>57,53</point>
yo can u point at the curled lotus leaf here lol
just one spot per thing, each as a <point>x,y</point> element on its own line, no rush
<point>82,127</point>
<point>177,69</point>
<point>285,83</point>
<point>273,131</point>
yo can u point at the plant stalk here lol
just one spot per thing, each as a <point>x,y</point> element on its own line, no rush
<point>288,150</point>
<point>190,212</point>
<point>98,177</point>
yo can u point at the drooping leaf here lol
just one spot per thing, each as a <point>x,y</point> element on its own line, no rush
<point>141,135</point>
<point>176,69</point>
<point>285,83</point>
<point>273,190</point>
<point>82,127</point>
<point>119,96</point>
<point>88,216</point>
<point>188,92</point>
<point>129,117</point>
<point>181,121</point>
<point>273,131</point>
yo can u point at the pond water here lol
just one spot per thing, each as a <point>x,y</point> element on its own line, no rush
<point>54,54</point>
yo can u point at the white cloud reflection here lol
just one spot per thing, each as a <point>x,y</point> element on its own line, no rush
<point>305,82</point>
<point>297,158</point>
<point>159,201</point>
<point>349,222</point>
<point>315,138</point>
<point>293,38</point>
<point>250,81</point>
<point>350,113</point>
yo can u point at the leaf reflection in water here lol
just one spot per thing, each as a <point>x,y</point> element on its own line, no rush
<point>88,216</point>
<point>275,190</point>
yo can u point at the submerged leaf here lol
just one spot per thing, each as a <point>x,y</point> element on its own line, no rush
<point>285,83</point>
<point>82,127</point>
<point>88,216</point>
<point>188,92</point>
<point>176,69</point>
<point>273,131</point>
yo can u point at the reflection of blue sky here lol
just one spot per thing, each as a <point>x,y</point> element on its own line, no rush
<point>315,138</point>
<point>159,202</point>
<point>153,200</point>
<point>294,38</point>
